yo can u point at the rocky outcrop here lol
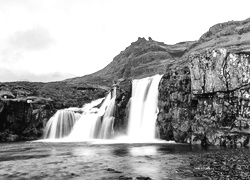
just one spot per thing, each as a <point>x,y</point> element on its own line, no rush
<point>25,107</point>
<point>223,96</point>
<point>123,95</point>
<point>209,102</point>
<point>142,58</point>
<point>23,118</point>
<point>176,107</point>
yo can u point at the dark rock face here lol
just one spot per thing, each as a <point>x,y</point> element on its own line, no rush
<point>23,118</point>
<point>209,102</point>
<point>123,95</point>
<point>176,109</point>
<point>221,85</point>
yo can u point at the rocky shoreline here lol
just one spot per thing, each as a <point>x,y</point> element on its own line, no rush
<point>226,163</point>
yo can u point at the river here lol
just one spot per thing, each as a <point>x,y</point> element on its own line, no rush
<point>93,161</point>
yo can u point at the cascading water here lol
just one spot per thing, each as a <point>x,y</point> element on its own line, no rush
<point>144,108</point>
<point>61,124</point>
<point>94,123</point>
<point>97,123</point>
<point>106,130</point>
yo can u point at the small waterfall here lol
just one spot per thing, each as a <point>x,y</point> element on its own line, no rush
<point>144,108</point>
<point>106,130</point>
<point>61,124</point>
<point>93,123</point>
<point>97,125</point>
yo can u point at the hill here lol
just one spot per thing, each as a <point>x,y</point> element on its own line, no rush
<point>148,57</point>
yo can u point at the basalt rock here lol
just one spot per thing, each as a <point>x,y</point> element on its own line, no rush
<point>123,95</point>
<point>24,118</point>
<point>223,112</point>
<point>176,109</point>
<point>209,102</point>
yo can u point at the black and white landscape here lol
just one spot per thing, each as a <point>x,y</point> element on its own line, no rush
<point>107,89</point>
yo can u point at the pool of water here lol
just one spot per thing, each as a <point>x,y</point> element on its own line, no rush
<point>79,160</point>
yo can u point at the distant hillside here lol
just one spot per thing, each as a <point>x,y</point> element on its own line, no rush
<point>148,57</point>
<point>142,58</point>
<point>62,93</point>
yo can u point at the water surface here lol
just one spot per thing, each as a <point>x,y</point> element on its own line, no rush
<point>79,160</point>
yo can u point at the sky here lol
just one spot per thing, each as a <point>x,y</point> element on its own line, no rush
<point>51,40</point>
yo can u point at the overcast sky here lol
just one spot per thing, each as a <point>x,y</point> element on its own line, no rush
<point>48,40</point>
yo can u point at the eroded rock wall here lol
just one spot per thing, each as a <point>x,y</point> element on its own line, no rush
<point>123,95</point>
<point>23,118</point>
<point>209,103</point>
<point>176,109</point>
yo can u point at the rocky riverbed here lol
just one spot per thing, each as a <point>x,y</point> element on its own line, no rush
<point>226,163</point>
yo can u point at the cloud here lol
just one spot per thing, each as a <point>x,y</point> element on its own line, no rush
<point>7,75</point>
<point>35,39</point>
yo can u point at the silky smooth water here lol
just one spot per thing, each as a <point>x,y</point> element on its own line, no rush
<point>40,160</point>
<point>144,108</point>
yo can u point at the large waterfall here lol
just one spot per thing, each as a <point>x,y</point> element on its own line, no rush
<point>144,108</point>
<point>97,123</point>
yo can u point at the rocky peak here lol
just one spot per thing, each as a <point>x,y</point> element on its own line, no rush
<point>142,58</point>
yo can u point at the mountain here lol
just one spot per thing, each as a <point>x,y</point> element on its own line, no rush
<point>142,58</point>
<point>148,57</point>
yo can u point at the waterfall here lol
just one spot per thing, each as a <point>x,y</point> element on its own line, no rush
<point>106,130</point>
<point>93,123</point>
<point>97,123</point>
<point>144,108</point>
<point>61,124</point>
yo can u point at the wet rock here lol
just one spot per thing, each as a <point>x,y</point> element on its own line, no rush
<point>125,178</point>
<point>123,95</point>
<point>143,178</point>
<point>113,170</point>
